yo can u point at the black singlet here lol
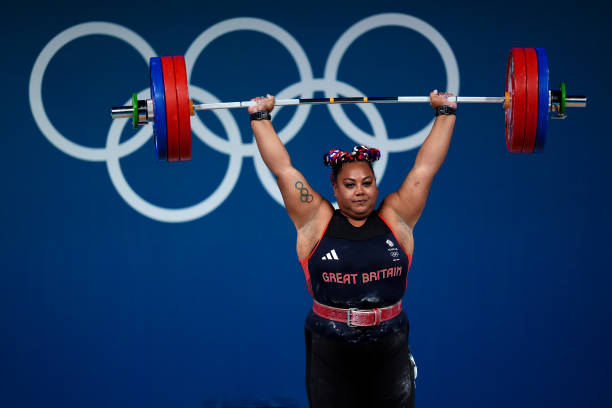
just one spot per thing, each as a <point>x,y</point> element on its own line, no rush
<point>363,267</point>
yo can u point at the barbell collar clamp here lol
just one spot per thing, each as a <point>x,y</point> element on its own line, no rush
<point>145,109</point>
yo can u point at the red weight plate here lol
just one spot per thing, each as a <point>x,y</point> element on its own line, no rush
<point>516,81</point>
<point>531,110</point>
<point>182,95</point>
<point>172,121</point>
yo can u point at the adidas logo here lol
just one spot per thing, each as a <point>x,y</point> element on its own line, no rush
<point>331,255</point>
<point>389,242</point>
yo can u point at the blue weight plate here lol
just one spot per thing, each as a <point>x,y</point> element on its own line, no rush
<point>160,132</point>
<point>543,107</point>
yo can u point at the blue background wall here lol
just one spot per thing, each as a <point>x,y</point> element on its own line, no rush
<point>103,306</point>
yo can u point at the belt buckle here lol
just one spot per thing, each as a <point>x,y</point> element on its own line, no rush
<point>376,312</point>
<point>349,313</point>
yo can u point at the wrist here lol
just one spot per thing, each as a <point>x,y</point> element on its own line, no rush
<point>445,110</point>
<point>260,115</point>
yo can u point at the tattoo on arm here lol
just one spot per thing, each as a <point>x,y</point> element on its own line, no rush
<point>303,192</point>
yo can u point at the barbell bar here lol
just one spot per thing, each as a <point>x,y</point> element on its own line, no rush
<point>528,104</point>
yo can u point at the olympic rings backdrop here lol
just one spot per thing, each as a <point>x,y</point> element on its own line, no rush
<point>132,282</point>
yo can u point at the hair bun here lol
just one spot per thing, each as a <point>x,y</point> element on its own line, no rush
<point>366,153</point>
<point>336,157</point>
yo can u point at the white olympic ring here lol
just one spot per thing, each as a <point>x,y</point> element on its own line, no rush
<point>362,27</point>
<point>274,31</point>
<point>233,146</point>
<point>40,66</point>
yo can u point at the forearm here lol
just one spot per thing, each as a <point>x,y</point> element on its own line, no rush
<point>272,150</point>
<point>433,151</point>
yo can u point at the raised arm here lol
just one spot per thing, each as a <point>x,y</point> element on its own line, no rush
<point>301,200</point>
<point>409,201</point>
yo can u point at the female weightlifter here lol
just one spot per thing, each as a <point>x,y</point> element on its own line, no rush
<point>356,261</point>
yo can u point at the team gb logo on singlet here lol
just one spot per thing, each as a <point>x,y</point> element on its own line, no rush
<point>393,251</point>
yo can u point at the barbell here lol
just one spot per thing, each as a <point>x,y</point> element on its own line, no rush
<point>528,104</point>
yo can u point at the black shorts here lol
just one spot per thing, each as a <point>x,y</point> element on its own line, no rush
<point>347,374</point>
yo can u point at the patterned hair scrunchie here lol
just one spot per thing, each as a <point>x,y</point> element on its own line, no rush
<point>336,157</point>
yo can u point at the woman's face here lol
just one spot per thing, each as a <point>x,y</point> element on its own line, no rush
<point>356,190</point>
